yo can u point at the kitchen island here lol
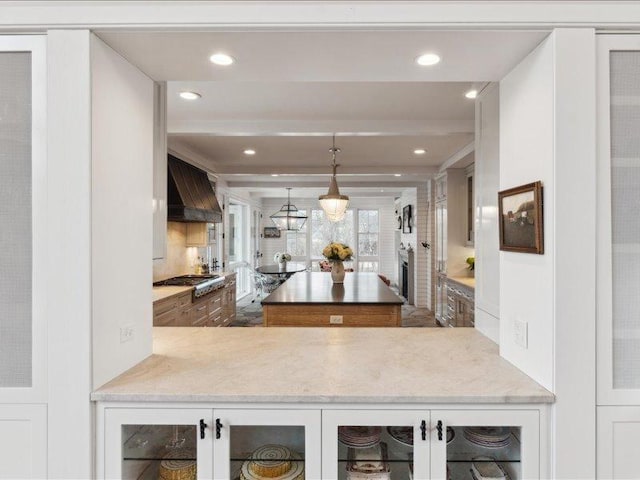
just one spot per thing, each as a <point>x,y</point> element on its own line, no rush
<point>226,394</point>
<point>310,299</point>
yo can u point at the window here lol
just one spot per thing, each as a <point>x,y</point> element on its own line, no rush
<point>297,241</point>
<point>367,250</point>
<point>324,232</point>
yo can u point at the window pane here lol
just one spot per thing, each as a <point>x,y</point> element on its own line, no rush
<point>324,232</point>
<point>367,266</point>
<point>368,245</point>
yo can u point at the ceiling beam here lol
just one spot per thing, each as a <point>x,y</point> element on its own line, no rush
<point>324,128</point>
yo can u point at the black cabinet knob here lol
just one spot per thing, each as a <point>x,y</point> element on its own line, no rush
<point>439,428</point>
<point>203,426</point>
<point>423,429</point>
<point>218,427</point>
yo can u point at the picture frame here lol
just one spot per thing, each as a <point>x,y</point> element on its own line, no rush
<point>271,232</point>
<point>406,219</point>
<point>521,219</point>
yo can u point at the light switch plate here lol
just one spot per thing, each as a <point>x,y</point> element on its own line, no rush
<point>335,319</point>
<point>127,333</point>
<point>520,333</point>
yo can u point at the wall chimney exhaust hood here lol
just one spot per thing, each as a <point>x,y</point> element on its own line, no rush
<point>190,196</point>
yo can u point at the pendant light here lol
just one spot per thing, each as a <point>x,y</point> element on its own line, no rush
<point>289,217</point>
<point>334,204</point>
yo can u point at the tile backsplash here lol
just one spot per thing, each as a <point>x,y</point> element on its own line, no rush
<point>180,259</point>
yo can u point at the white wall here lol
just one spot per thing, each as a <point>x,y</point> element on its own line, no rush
<point>487,241</point>
<point>122,192</point>
<point>70,446</point>
<point>527,155</point>
<point>388,259</point>
<point>547,133</point>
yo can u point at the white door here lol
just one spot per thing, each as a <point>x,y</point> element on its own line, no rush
<point>618,443</point>
<point>148,443</point>
<point>266,441</point>
<point>399,436</point>
<point>494,440</point>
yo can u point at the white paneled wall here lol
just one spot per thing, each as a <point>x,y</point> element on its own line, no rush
<point>418,198</point>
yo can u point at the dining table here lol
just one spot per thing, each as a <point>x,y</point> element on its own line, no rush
<point>282,270</point>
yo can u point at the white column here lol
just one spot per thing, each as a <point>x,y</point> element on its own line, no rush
<point>69,311</point>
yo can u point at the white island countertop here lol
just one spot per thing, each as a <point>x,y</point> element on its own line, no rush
<point>323,365</point>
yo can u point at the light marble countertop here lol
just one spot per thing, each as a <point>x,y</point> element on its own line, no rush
<point>323,365</point>
<point>160,293</point>
<point>466,281</point>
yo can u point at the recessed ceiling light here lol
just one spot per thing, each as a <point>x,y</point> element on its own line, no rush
<point>190,95</point>
<point>397,174</point>
<point>274,174</point>
<point>428,59</point>
<point>471,94</point>
<point>249,151</point>
<point>221,59</point>
<point>419,151</point>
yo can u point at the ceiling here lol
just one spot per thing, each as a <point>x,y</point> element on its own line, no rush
<point>288,92</point>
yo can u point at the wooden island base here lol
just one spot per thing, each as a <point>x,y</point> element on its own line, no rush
<point>320,315</point>
<point>311,299</point>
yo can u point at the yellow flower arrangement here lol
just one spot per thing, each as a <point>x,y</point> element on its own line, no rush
<point>337,251</point>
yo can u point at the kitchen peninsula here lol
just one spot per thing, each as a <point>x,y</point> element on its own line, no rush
<point>310,299</point>
<point>227,394</point>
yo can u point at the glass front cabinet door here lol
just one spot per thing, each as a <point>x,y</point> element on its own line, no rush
<point>152,444</point>
<point>259,444</point>
<point>375,444</point>
<point>475,445</point>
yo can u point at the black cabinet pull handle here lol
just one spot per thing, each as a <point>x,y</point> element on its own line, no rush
<point>439,428</point>
<point>218,427</point>
<point>423,429</point>
<point>203,426</point>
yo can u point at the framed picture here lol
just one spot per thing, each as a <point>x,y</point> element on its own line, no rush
<point>271,232</point>
<point>406,219</point>
<point>521,220</point>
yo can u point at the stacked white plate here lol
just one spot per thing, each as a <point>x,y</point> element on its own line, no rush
<point>359,437</point>
<point>488,437</point>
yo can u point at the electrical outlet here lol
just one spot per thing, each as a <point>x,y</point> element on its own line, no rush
<point>335,319</point>
<point>520,333</point>
<point>127,333</point>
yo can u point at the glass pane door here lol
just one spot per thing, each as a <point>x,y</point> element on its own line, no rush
<point>478,445</point>
<point>380,445</point>
<point>625,228</point>
<point>150,452</point>
<point>259,444</point>
<point>152,444</point>
<point>16,216</point>
<point>483,452</point>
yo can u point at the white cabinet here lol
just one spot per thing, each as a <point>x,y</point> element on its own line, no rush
<point>220,443</point>
<point>160,171</point>
<point>254,436</point>
<point>23,442</point>
<point>401,435</point>
<point>451,224</point>
<point>618,442</point>
<point>462,440</point>
<point>618,257</point>
<point>141,443</point>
